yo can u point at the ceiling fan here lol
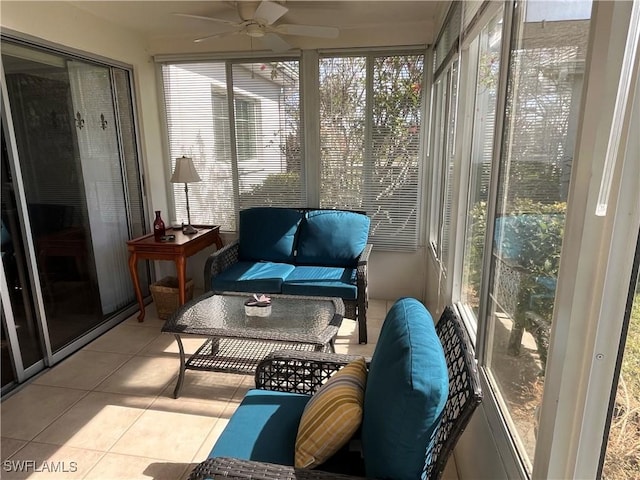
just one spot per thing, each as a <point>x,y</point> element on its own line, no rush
<point>257,21</point>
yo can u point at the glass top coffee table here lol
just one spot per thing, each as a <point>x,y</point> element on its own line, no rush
<point>237,342</point>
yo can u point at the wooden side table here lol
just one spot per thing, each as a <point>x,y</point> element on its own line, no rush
<point>177,250</point>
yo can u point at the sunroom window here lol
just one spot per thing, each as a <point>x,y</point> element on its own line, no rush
<point>370,127</point>
<point>542,110</point>
<point>486,49</point>
<point>241,123</point>
<point>247,157</point>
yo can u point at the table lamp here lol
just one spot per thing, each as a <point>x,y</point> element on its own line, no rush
<point>186,173</point>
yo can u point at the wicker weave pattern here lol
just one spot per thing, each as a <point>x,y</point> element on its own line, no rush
<point>223,467</point>
<point>363,293</point>
<point>304,372</point>
<point>300,371</point>
<point>219,261</point>
<point>464,392</point>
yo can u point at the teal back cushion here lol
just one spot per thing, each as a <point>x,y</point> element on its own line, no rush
<point>268,233</point>
<point>406,392</point>
<point>332,238</point>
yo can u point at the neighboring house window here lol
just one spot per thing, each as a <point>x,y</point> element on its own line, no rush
<point>247,118</point>
<point>370,130</point>
<point>246,159</point>
<point>246,127</point>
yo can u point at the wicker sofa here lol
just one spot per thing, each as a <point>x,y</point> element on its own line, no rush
<point>422,387</point>
<point>312,252</point>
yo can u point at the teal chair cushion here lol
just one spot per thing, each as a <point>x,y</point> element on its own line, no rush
<point>263,428</point>
<point>322,282</point>
<point>332,238</point>
<point>268,233</point>
<point>254,277</point>
<point>406,392</point>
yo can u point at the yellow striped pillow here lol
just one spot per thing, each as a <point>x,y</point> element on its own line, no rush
<point>332,416</point>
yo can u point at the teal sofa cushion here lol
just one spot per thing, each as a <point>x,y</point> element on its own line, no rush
<point>263,428</point>
<point>268,233</point>
<point>406,392</point>
<point>254,277</point>
<point>332,238</point>
<point>322,282</point>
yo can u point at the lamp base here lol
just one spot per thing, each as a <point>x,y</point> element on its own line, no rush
<point>189,230</point>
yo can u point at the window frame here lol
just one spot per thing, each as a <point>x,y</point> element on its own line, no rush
<point>310,137</point>
<point>582,362</point>
<point>369,56</point>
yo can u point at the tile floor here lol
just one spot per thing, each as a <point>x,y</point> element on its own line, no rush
<point>108,412</point>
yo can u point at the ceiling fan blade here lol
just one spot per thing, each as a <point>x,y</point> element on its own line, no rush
<point>308,30</point>
<point>269,12</point>
<point>208,19</point>
<point>275,42</point>
<point>217,35</point>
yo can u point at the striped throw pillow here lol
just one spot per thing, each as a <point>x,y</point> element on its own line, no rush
<point>332,416</point>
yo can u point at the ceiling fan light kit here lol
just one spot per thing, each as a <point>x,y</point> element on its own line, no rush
<point>259,23</point>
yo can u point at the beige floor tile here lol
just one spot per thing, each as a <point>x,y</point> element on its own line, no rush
<point>351,349</point>
<point>247,384</point>
<point>9,446</point>
<point>167,345</point>
<point>201,386</point>
<point>32,409</point>
<point>207,408</point>
<point>145,376</point>
<point>450,471</point>
<point>377,309</point>
<point>348,329</point>
<point>171,436</point>
<point>150,319</point>
<point>96,422</point>
<point>210,440</point>
<point>45,461</point>
<point>126,467</point>
<point>124,339</point>
<point>83,370</point>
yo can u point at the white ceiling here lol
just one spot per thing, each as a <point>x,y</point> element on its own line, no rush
<point>361,23</point>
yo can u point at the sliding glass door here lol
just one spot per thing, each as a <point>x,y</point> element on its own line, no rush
<point>75,193</point>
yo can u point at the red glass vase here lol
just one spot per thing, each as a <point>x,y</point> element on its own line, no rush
<point>158,227</point>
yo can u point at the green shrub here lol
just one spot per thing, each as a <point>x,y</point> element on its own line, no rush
<point>536,240</point>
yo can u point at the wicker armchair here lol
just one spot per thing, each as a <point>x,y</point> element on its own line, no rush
<point>305,372</point>
<point>355,309</point>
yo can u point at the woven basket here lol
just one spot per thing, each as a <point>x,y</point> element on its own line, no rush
<point>165,295</point>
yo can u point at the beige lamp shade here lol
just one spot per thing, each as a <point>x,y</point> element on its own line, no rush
<point>185,172</point>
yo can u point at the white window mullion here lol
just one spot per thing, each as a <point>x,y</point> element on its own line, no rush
<point>311,121</point>
<point>233,150</point>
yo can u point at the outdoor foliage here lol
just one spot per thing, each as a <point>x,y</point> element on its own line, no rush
<point>277,189</point>
<point>370,139</point>
<point>623,448</point>
<point>538,238</point>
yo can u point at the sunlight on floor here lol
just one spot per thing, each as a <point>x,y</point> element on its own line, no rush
<point>108,412</point>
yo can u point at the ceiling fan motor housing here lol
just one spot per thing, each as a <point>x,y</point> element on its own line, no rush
<point>254,30</point>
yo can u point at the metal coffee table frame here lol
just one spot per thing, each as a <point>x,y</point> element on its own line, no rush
<point>237,342</point>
